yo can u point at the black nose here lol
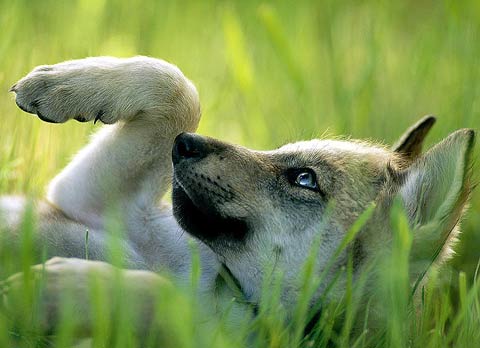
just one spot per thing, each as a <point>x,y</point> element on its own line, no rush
<point>189,146</point>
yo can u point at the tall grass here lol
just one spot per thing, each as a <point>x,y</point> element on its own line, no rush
<point>377,309</point>
<point>267,73</point>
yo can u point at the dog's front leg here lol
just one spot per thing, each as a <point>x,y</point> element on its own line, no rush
<point>127,165</point>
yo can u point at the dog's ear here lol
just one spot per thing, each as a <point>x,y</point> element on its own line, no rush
<point>410,143</point>
<point>435,189</point>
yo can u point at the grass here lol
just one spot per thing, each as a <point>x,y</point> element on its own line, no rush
<point>267,73</point>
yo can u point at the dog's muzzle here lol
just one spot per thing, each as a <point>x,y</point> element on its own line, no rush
<point>189,146</point>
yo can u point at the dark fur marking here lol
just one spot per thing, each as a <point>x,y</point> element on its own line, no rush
<point>277,250</point>
<point>358,253</point>
<point>204,221</point>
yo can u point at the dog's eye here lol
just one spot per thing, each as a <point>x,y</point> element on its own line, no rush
<point>306,179</point>
<point>303,177</point>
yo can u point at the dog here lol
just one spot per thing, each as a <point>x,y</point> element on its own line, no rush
<point>245,211</point>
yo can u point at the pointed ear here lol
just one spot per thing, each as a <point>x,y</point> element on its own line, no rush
<point>410,143</point>
<point>436,188</point>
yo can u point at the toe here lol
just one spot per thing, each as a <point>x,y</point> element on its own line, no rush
<point>43,118</point>
<point>23,108</point>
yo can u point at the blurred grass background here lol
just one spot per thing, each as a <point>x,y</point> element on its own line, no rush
<point>267,72</point>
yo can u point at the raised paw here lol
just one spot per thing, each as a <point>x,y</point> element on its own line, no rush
<point>57,93</point>
<point>108,89</point>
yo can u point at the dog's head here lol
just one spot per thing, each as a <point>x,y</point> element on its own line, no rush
<point>263,210</point>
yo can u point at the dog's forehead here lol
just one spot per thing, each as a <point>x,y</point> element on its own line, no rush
<point>347,155</point>
<point>335,148</point>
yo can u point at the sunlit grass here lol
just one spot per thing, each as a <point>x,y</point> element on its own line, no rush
<point>268,73</point>
<point>377,308</point>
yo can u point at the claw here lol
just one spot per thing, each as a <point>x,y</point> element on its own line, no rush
<point>98,117</point>
<point>80,119</point>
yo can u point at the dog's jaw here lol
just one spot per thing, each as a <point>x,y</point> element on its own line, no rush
<point>204,222</point>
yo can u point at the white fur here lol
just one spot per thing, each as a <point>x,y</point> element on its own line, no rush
<point>127,165</point>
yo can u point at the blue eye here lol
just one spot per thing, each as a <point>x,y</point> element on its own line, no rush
<point>303,177</point>
<point>306,179</point>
